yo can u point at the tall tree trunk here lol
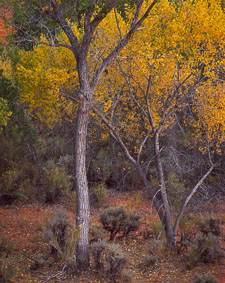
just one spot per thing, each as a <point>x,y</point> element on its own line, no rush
<point>167,215</point>
<point>81,183</point>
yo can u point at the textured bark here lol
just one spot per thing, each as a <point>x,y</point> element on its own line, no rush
<point>81,184</point>
<point>87,86</point>
<point>167,215</point>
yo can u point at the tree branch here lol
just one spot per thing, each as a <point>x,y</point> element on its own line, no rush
<point>111,57</point>
<point>176,225</point>
<point>115,135</point>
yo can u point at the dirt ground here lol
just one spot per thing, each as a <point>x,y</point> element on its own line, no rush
<point>21,228</point>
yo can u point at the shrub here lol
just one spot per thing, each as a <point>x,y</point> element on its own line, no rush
<point>55,180</point>
<point>211,225</point>
<point>205,249</point>
<point>186,240</point>
<point>115,260</point>
<point>97,250</point>
<point>113,220</point>
<point>66,161</point>
<point>6,247</point>
<point>39,260</point>
<point>154,247</point>
<point>7,271</point>
<point>205,278</point>
<point>109,259</point>
<point>153,250</point>
<point>132,223</point>
<point>61,235</point>
<point>118,220</point>
<point>7,266</point>
<point>176,190</point>
<point>150,260</point>
<point>156,227</point>
<point>97,233</point>
<point>98,194</point>
<point>18,182</point>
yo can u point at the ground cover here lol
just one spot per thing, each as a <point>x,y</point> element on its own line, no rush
<point>25,255</point>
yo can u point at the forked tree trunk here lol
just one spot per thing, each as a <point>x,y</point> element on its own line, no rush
<point>81,183</point>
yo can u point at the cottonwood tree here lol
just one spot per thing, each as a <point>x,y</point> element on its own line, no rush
<point>175,68</point>
<point>56,14</point>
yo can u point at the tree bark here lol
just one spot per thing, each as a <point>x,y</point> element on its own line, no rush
<point>81,183</point>
<point>167,215</point>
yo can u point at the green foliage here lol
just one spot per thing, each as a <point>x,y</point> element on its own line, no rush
<point>4,113</point>
<point>56,148</point>
<point>113,220</point>
<point>109,259</point>
<point>17,183</point>
<point>118,220</point>
<point>97,233</point>
<point>6,247</point>
<point>205,249</point>
<point>210,225</point>
<point>154,247</point>
<point>61,234</point>
<point>9,91</point>
<point>55,181</point>
<point>156,227</point>
<point>132,223</point>
<point>39,260</point>
<point>100,166</point>
<point>98,194</point>
<point>149,260</point>
<point>7,269</point>
<point>153,254</point>
<point>205,278</point>
<point>176,190</point>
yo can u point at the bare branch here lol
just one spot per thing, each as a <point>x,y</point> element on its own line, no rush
<point>131,92</point>
<point>59,17</point>
<point>111,57</point>
<point>176,225</point>
<point>115,135</point>
<point>142,145</point>
<point>117,23</point>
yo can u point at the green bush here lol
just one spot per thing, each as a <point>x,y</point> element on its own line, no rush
<point>98,194</point>
<point>211,225</point>
<point>97,233</point>
<point>55,181</point>
<point>60,234</point>
<point>150,260</point>
<point>18,182</point>
<point>109,259</point>
<point>118,220</point>
<point>39,260</point>
<point>205,278</point>
<point>186,240</point>
<point>153,249</point>
<point>132,223</point>
<point>156,227</point>
<point>7,268</point>
<point>205,249</point>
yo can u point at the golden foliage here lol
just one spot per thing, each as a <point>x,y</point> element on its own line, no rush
<point>176,44</point>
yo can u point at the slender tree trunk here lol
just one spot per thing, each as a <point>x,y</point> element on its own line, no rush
<point>176,225</point>
<point>167,215</point>
<point>81,183</point>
